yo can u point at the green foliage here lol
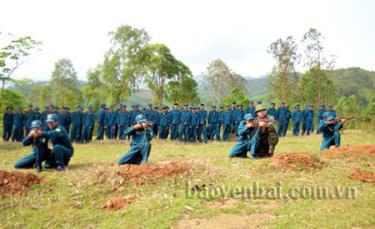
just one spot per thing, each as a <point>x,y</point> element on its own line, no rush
<point>123,62</point>
<point>64,84</point>
<point>161,66</point>
<point>12,98</point>
<point>95,91</point>
<point>236,95</point>
<point>12,56</point>
<point>316,87</point>
<point>349,106</point>
<point>183,91</point>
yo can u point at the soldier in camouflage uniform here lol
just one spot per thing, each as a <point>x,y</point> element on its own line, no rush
<point>268,137</point>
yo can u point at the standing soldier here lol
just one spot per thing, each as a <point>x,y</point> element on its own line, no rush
<point>123,120</point>
<point>271,110</point>
<point>184,126</point>
<point>77,121</point>
<point>108,120</point>
<point>321,111</point>
<point>251,108</point>
<point>202,130</point>
<point>7,123</point>
<point>29,117</point>
<point>164,122</point>
<point>213,123</point>
<point>101,122</point>
<point>37,114</point>
<point>114,126</point>
<point>297,118</point>
<point>47,111</point>
<point>64,118</point>
<point>233,112</point>
<point>239,116</point>
<point>134,112</point>
<point>149,113</point>
<point>88,124</point>
<point>221,118</point>
<point>156,121</point>
<point>226,123</point>
<point>194,124</point>
<point>309,119</point>
<point>175,121</point>
<point>289,116</point>
<point>18,125</point>
<point>304,116</point>
<point>282,119</point>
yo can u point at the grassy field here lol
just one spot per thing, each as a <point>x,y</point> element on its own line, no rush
<point>73,199</point>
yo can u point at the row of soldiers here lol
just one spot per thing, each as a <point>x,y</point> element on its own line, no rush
<point>188,124</point>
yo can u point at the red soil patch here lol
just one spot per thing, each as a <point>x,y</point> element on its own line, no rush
<point>117,203</point>
<point>150,172</point>
<point>351,151</point>
<point>139,174</point>
<point>296,162</point>
<point>364,176</point>
<point>17,183</point>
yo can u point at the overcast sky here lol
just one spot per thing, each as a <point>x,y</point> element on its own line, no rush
<point>197,32</point>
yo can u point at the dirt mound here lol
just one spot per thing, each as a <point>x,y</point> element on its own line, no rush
<point>17,183</point>
<point>351,151</point>
<point>117,203</point>
<point>364,176</point>
<point>296,162</point>
<point>139,174</point>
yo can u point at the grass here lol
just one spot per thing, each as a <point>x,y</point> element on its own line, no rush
<point>74,199</point>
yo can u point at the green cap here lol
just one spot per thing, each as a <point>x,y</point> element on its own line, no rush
<point>260,108</point>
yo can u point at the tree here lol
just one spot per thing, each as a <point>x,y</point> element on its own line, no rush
<point>283,77</point>
<point>308,87</point>
<point>236,95</point>
<point>64,84</point>
<point>12,56</point>
<point>95,91</point>
<point>160,67</point>
<point>183,91</point>
<point>123,62</point>
<point>220,80</point>
<point>317,62</point>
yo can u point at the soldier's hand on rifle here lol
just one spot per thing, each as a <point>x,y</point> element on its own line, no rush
<point>250,124</point>
<point>38,133</point>
<point>262,124</point>
<point>343,120</point>
<point>31,134</point>
<point>137,126</point>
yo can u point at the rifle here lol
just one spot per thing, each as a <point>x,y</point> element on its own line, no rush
<point>347,119</point>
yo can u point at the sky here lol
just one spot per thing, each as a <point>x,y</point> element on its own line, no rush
<point>196,31</point>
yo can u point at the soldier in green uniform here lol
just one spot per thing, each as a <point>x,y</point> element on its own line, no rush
<point>268,137</point>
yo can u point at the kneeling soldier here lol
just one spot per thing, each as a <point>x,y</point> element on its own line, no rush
<point>247,138</point>
<point>140,146</point>
<point>330,128</point>
<point>268,137</point>
<point>62,148</point>
<point>40,151</point>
